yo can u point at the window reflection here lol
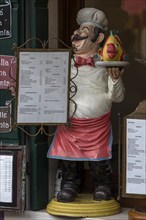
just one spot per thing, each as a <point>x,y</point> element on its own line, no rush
<point>129,18</point>
<point>136,11</point>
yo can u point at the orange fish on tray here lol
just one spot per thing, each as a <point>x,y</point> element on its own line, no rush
<point>112,49</point>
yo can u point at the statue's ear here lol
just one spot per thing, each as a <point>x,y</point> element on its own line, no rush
<point>100,38</point>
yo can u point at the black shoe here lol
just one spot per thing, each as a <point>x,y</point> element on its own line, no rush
<point>66,195</point>
<point>102,193</point>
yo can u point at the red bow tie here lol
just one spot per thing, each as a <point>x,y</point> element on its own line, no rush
<point>82,61</point>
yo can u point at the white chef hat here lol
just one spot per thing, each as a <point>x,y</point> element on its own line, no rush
<point>92,16</point>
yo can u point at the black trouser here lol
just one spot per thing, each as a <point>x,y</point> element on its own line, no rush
<point>101,171</point>
<point>71,173</point>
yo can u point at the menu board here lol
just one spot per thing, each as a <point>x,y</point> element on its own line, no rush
<point>5,118</point>
<point>136,156</point>
<point>43,82</point>
<point>6,175</point>
<point>7,72</point>
<point>5,20</point>
<point>134,153</point>
<point>12,177</point>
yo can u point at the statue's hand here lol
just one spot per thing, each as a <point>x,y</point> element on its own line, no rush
<point>115,72</point>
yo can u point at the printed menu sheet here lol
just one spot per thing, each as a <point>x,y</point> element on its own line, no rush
<point>136,156</point>
<point>43,87</point>
<point>6,178</point>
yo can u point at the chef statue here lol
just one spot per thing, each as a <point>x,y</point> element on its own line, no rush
<point>89,136</point>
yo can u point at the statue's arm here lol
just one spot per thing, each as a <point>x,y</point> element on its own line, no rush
<point>116,90</point>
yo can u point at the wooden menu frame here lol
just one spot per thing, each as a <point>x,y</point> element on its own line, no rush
<point>13,171</point>
<point>134,154</point>
<point>43,82</point>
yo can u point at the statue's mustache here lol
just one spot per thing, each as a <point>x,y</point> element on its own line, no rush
<point>78,37</point>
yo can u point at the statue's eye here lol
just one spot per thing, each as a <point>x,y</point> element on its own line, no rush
<point>117,45</point>
<point>85,29</point>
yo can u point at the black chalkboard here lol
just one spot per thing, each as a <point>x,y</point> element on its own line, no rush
<point>5,20</point>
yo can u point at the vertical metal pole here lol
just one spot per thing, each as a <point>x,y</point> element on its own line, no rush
<point>119,157</point>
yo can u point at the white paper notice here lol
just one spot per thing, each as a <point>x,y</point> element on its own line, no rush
<point>136,156</point>
<point>43,87</point>
<point>6,178</point>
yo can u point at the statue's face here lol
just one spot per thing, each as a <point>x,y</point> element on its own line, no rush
<point>81,39</point>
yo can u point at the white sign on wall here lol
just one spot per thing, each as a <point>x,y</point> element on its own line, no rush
<point>136,156</point>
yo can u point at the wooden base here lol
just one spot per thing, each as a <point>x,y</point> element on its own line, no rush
<point>84,206</point>
<point>139,214</point>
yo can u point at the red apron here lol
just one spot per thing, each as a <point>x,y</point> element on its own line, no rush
<point>85,139</point>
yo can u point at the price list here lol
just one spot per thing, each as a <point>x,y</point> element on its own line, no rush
<point>43,87</point>
<point>6,178</point>
<point>136,156</point>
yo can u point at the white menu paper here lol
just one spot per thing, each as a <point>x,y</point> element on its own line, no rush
<point>43,87</point>
<point>6,178</point>
<point>136,156</point>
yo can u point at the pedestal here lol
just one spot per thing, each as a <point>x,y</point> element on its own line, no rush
<point>84,206</point>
